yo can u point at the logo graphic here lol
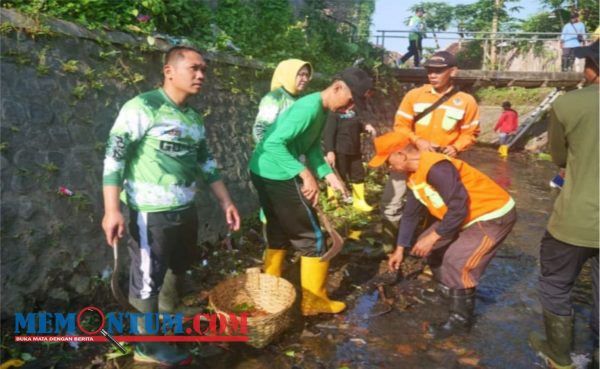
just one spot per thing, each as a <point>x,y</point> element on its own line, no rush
<point>90,324</point>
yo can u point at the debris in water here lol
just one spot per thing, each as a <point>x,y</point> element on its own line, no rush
<point>358,340</point>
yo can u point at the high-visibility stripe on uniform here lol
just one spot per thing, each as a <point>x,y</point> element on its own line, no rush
<point>403,114</point>
<point>473,124</point>
<point>487,200</point>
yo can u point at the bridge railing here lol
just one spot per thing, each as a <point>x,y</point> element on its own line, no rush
<point>506,51</point>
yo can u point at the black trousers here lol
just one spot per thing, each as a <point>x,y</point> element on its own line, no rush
<point>560,266</point>
<point>159,241</point>
<point>291,220</point>
<point>350,167</point>
<point>415,49</point>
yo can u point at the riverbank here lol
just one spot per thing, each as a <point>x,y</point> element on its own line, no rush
<point>377,333</point>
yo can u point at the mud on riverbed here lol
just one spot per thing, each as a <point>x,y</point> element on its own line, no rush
<point>385,325</point>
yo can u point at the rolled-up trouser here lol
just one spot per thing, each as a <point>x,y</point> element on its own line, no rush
<point>159,241</point>
<point>392,199</point>
<point>561,263</point>
<point>460,261</point>
<point>291,220</point>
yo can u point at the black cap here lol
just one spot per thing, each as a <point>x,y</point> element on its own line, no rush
<point>574,15</point>
<point>419,10</point>
<point>440,59</point>
<point>589,51</point>
<point>359,83</point>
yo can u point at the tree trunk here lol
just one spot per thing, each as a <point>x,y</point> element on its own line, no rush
<point>493,57</point>
<point>485,61</point>
<point>437,43</point>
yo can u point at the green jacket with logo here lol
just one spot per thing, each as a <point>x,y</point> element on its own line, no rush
<point>156,151</point>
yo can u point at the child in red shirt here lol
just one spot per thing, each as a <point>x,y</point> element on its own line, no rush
<point>507,123</point>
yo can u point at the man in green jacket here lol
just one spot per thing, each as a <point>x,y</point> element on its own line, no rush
<point>156,153</point>
<point>287,188</point>
<point>572,234</point>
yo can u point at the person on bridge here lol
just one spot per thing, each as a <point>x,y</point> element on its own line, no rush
<point>342,145</point>
<point>507,124</point>
<point>416,26</point>
<point>155,151</point>
<point>287,188</point>
<point>573,35</point>
<point>451,127</point>
<point>473,216</point>
<point>572,234</point>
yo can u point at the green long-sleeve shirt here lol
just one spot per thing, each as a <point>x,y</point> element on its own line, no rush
<point>297,131</point>
<point>573,142</point>
<point>156,151</point>
<point>271,105</point>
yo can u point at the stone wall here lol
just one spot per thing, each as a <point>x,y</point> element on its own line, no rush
<point>62,87</point>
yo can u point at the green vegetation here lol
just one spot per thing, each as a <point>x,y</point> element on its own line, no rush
<point>50,167</point>
<point>516,95</point>
<point>79,91</point>
<point>264,29</point>
<point>42,67</point>
<point>70,66</point>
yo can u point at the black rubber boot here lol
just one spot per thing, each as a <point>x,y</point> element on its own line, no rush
<point>155,352</point>
<point>555,348</point>
<point>460,320</point>
<point>438,295</point>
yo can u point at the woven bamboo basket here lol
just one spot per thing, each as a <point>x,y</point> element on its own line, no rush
<point>271,294</point>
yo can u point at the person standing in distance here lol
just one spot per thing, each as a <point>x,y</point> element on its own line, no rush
<point>416,25</point>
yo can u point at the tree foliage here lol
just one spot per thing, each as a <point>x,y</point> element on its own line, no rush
<point>561,9</point>
<point>478,16</point>
<point>438,16</point>
<point>264,29</point>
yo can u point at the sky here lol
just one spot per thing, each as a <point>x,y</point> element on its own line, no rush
<point>391,14</point>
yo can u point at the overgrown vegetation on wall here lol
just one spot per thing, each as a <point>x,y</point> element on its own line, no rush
<point>262,29</point>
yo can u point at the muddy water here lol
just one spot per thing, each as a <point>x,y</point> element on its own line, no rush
<point>373,334</point>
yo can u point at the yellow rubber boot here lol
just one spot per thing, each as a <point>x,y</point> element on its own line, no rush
<point>503,150</point>
<point>330,193</point>
<point>358,197</point>
<point>274,262</point>
<point>331,196</point>
<point>313,277</point>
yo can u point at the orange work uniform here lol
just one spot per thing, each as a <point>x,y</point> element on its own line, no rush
<point>455,122</point>
<point>459,259</point>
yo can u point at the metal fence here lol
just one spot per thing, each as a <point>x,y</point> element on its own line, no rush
<point>506,51</point>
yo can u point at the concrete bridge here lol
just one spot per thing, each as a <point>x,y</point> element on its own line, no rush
<point>481,78</point>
